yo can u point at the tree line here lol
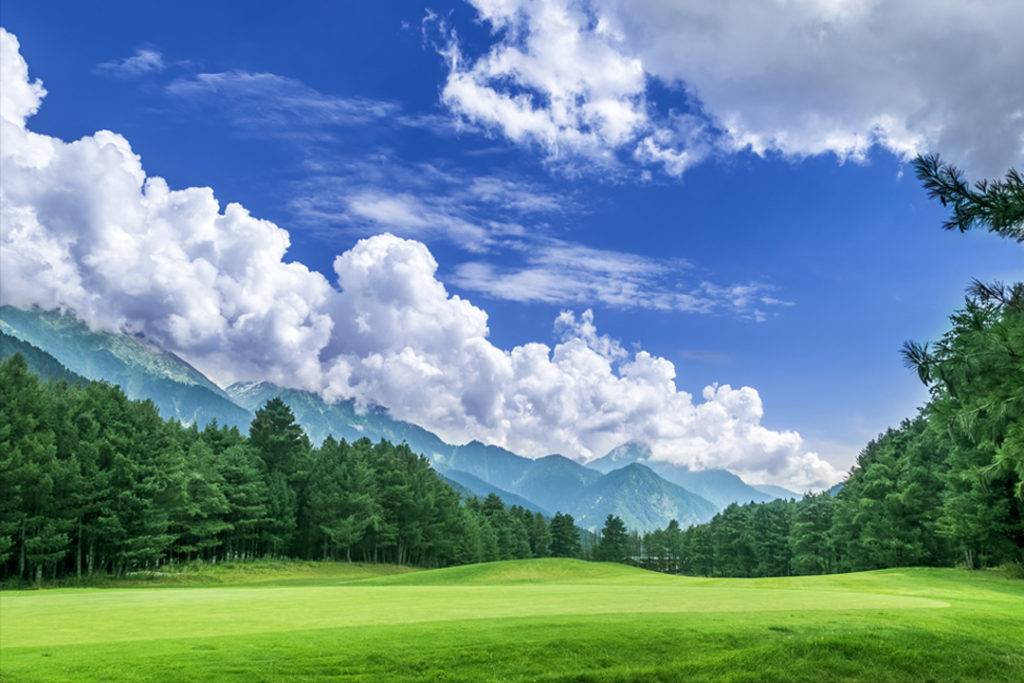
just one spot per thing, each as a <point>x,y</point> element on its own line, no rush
<point>91,482</point>
<point>925,493</point>
<point>946,487</point>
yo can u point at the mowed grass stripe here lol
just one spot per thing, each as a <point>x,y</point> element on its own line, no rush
<point>98,617</point>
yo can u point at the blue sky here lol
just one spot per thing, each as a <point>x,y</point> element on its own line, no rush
<point>844,258</point>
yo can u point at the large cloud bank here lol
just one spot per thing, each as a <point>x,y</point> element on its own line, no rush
<point>796,77</point>
<point>85,229</point>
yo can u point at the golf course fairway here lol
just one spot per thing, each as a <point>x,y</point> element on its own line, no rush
<point>544,619</point>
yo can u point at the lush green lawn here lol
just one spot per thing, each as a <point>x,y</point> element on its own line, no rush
<point>534,620</point>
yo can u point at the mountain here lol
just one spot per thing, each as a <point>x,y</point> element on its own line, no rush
<point>342,420</point>
<point>555,480</point>
<point>549,484</point>
<point>721,487</point>
<point>641,498</point>
<point>476,468</point>
<point>142,369</point>
<point>778,492</point>
<point>41,364</point>
<point>834,491</point>
<point>493,464</point>
<point>622,455</point>
<point>476,486</point>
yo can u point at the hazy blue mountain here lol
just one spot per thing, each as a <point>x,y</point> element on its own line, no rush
<point>778,491</point>
<point>641,498</point>
<point>40,363</point>
<point>142,369</point>
<point>459,488</point>
<point>721,487</point>
<point>834,491</point>
<point>553,480</point>
<point>342,419</point>
<point>477,467</point>
<point>480,488</point>
<point>550,484</point>
<point>494,464</point>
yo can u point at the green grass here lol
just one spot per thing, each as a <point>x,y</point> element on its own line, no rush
<point>525,620</point>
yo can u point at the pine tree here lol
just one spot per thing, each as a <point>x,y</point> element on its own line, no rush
<point>565,536</point>
<point>997,205</point>
<point>33,523</point>
<point>811,537</point>
<point>614,541</point>
<point>277,437</point>
<point>540,535</point>
<point>246,493</point>
<point>201,520</point>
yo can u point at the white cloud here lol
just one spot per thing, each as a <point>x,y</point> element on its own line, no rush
<point>561,77</point>
<point>144,61</point>
<point>20,96</point>
<point>421,200</point>
<point>797,77</point>
<point>269,102</point>
<point>501,214</point>
<point>561,272</point>
<point>568,327</point>
<point>85,229</point>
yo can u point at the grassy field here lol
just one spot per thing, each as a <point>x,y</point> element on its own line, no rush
<point>528,620</point>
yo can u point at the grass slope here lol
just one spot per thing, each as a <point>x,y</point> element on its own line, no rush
<point>526,620</point>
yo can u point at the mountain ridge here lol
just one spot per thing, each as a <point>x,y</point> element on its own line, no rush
<point>142,369</point>
<point>720,486</point>
<point>554,482</point>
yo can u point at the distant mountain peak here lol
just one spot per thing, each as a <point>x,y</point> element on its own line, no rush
<point>622,455</point>
<point>630,451</point>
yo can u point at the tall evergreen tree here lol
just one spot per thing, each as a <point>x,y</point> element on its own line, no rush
<point>565,536</point>
<point>614,545</point>
<point>811,535</point>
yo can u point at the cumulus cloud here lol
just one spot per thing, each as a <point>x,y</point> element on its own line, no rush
<point>561,77</point>
<point>144,61</point>
<point>84,229</point>
<point>796,77</point>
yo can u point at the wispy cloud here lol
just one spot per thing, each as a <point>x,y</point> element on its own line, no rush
<point>516,231</point>
<point>555,271</point>
<point>144,61</point>
<point>423,200</point>
<point>271,103</point>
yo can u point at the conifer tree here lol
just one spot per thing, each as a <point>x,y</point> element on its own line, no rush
<point>565,536</point>
<point>613,546</point>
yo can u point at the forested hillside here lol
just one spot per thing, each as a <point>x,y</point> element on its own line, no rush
<point>40,363</point>
<point>93,482</point>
